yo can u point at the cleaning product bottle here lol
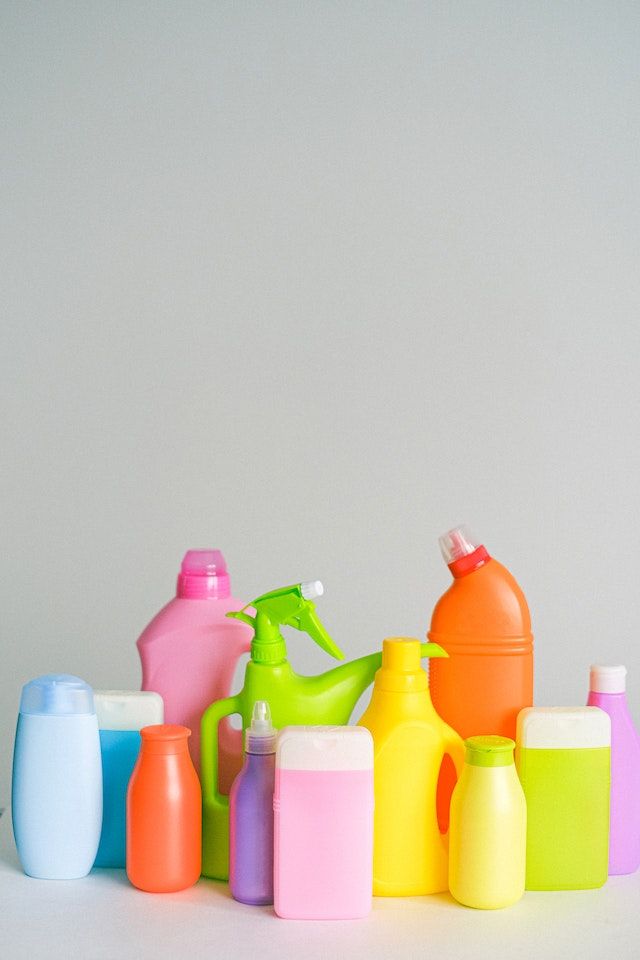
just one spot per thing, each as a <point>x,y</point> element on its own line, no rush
<point>189,652</point>
<point>57,778</point>
<point>251,813</point>
<point>164,822</point>
<point>488,833</point>
<point>483,623</point>
<point>328,698</point>
<point>607,691</point>
<point>323,835</point>
<point>121,716</point>
<point>563,758</point>
<point>410,743</point>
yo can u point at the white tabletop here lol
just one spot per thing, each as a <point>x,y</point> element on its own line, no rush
<point>102,916</point>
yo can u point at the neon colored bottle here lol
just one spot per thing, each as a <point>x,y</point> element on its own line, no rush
<point>607,690</point>
<point>325,699</point>
<point>121,716</point>
<point>483,623</point>
<point>323,834</point>
<point>164,819</point>
<point>410,743</point>
<point>251,813</point>
<point>563,757</point>
<point>488,832</point>
<point>190,649</point>
<point>57,778</point>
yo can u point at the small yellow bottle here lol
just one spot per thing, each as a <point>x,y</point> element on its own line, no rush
<point>488,830</point>
<point>410,741</point>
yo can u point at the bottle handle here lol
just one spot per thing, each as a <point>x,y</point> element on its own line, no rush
<point>230,739</point>
<point>209,747</point>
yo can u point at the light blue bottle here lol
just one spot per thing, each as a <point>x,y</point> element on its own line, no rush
<point>121,716</point>
<point>57,778</point>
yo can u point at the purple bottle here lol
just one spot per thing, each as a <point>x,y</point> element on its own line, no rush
<point>607,691</point>
<point>251,813</point>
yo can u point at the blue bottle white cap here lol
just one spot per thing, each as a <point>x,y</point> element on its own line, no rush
<point>128,709</point>
<point>57,695</point>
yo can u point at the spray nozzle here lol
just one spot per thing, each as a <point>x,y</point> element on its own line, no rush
<point>291,607</point>
<point>260,737</point>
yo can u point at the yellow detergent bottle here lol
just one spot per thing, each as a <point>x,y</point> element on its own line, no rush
<point>410,854</point>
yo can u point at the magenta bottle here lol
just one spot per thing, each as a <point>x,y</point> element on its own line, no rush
<point>251,813</point>
<point>607,691</point>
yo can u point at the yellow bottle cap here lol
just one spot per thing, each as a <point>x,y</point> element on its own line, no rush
<point>401,668</point>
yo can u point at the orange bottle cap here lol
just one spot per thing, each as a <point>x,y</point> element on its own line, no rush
<point>165,738</point>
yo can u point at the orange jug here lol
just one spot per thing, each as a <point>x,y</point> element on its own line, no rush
<point>164,813</point>
<point>483,623</point>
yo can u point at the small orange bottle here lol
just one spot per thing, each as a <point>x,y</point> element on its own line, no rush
<point>483,623</point>
<point>164,813</point>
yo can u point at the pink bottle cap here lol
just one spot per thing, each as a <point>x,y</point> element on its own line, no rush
<point>203,576</point>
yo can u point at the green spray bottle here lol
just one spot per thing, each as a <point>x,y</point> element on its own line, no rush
<point>325,699</point>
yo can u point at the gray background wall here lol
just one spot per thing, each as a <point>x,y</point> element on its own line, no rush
<point>311,282</point>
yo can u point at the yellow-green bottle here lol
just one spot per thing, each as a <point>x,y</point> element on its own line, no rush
<point>488,827</point>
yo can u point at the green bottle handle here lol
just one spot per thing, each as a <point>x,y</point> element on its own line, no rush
<point>209,747</point>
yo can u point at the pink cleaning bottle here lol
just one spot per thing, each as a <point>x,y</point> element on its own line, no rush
<point>607,691</point>
<point>189,653</point>
<point>323,823</point>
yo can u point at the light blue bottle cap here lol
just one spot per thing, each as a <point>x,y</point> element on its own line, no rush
<point>57,695</point>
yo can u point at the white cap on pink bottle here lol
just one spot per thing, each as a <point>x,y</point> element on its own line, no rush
<point>605,679</point>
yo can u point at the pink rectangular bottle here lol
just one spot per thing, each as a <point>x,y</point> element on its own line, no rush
<point>323,823</point>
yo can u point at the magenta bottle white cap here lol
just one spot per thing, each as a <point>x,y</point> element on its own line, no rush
<point>605,679</point>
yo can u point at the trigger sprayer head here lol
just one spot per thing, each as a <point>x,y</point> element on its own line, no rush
<point>260,737</point>
<point>289,607</point>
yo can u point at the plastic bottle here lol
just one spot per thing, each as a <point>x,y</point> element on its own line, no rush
<point>323,829</point>
<point>57,778</point>
<point>607,691</point>
<point>189,653</point>
<point>164,818</point>
<point>251,813</point>
<point>327,698</point>
<point>410,743</point>
<point>563,757</point>
<point>488,832</point>
<point>121,715</point>
<point>483,623</point>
